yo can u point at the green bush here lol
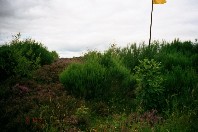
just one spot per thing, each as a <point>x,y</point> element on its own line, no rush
<point>119,76</point>
<point>7,62</point>
<point>100,76</point>
<point>31,50</point>
<point>20,58</point>
<point>177,53</point>
<point>170,60</point>
<point>85,80</point>
<point>130,56</point>
<point>182,84</point>
<point>149,91</point>
<point>179,61</point>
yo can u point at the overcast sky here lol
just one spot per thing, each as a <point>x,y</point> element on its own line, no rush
<point>71,27</point>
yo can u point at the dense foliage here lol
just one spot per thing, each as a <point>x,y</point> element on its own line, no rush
<point>135,88</point>
<point>150,89</point>
<point>161,77</point>
<point>21,57</point>
<point>101,76</point>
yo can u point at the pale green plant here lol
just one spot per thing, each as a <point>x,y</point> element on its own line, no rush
<point>82,111</point>
<point>149,90</point>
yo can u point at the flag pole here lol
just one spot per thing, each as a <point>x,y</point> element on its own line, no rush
<point>151,24</point>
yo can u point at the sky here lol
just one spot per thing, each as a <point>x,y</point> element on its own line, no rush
<point>72,27</point>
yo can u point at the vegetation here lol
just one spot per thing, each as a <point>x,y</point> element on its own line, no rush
<point>101,76</point>
<point>136,88</point>
<point>149,90</point>
<point>20,58</point>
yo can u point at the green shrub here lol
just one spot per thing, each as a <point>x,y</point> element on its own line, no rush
<point>85,80</point>
<point>177,53</point>
<point>130,56</point>
<point>31,50</point>
<point>7,62</point>
<point>186,47</point>
<point>20,58</point>
<point>149,90</point>
<point>181,83</point>
<point>100,76</point>
<point>171,60</point>
<point>120,77</point>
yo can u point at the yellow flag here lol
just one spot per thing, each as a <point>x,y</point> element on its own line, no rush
<point>159,1</point>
